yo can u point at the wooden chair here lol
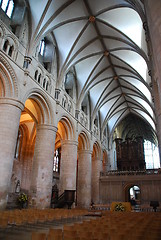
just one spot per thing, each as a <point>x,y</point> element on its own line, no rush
<point>38,236</point>
<point>3,223</point>
<point>55,234</point>
<point>50,237</point>
<point>70,234</point>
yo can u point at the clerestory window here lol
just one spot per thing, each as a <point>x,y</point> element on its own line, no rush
<point>7,6</point>
<point>42,47</point>
<point>151,155</point>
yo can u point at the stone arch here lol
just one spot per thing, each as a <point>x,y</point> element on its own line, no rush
<point>13,44</point>
<point>83,141</point>
<point>12,40</point>
<point>37,112</point>
<point>57,140</point>
<point>126,189</point>
<point>8,79</point>
<point>42,106</point>
<point>96,150</point>
<point>66,128</point>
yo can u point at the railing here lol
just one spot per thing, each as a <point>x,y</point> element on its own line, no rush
<point>137,172</point>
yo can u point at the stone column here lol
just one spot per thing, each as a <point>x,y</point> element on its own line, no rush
<point>26,166</point>
<point>96,169</point>
<point>68,165</point>
<point>42,171</point>
<point>153,32</point>
<point>84,178</point>
<point>10,112</point>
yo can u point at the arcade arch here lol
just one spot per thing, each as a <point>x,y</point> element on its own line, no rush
<point>35,133</point>
<point>66,145</point>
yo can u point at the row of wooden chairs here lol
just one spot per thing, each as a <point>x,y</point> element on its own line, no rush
<point>34,216</point>
<point>113,226</point>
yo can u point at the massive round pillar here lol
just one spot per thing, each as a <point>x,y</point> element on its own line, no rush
<point>84,178</point>
<point>68,165</point>
<point>42,171</point>
<point>10,112</point>
<point>96,169</point>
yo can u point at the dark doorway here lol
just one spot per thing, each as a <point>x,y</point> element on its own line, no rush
<point>134,195</point>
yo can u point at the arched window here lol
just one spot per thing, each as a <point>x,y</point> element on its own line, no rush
<point>10,51</point>
<point>47,86</point>
<point>7,6</point>
<point>42,47</point>
<point>44,83</point>
<point>36,73</point>
<point>151,155</point>
<point>69,83</point>
<point>64,102</point>
<point>39,78</point>
<point>5,45</point>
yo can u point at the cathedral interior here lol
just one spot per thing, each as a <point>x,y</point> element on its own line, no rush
<point>80,103</point>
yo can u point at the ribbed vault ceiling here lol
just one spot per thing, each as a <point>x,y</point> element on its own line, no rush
<point>132,127</point>
<point>105,42</point>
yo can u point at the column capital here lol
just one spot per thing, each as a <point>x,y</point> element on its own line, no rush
<point>47,127</point>
<point>12,101</point>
